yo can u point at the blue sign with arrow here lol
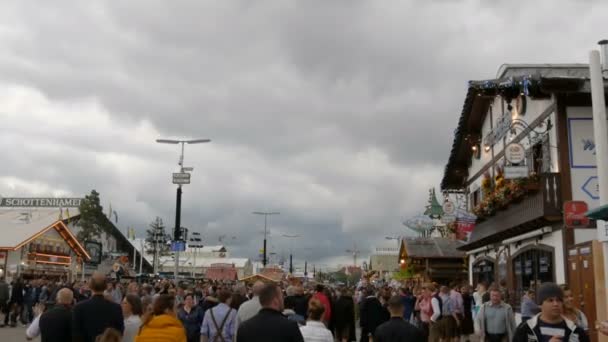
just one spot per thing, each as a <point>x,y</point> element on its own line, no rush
<point>592,188</point>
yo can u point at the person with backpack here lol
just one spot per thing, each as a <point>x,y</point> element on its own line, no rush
<point>219,323</point>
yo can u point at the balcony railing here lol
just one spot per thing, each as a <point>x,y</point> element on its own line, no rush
<point>539,207</point>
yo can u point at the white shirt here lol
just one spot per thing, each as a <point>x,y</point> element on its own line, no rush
<point>315,331</point>
<point>132,325</point>
<point>33,330</point>
<point>436,309</point>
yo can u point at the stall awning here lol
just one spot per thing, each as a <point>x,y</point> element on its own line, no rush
<point>599,213</point>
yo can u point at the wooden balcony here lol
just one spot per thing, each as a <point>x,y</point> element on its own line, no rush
<point>536,210</point>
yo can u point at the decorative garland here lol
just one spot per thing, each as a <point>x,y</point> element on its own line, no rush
<point>508,88</point>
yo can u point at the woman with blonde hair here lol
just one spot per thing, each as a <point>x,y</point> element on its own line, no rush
<point>315,330</point>
<point>162,324</point>
<point>571,312</point>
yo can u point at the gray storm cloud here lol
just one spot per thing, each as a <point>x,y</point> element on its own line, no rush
<point>339,114</point>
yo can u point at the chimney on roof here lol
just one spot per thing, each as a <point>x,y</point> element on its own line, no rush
<point>604,54</point>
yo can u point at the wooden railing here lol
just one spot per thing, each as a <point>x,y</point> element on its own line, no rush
<point>541,205</point>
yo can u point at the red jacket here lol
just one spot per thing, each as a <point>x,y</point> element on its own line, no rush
<point>326,303</point>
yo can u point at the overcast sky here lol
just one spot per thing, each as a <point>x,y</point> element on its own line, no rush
<point>339,114</point>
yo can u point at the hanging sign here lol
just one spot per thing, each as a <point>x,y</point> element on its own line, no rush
<point>574,214</point>
<point>40,202</point>
<point>503,125</point>
<point>515,153</point>
<point>181,178</point>
<point>449,208</point>
<point>514,172</point>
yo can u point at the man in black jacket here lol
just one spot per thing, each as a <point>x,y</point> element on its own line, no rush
<point>371,315</point>
<point>4,296</point>
<point>344,316</point>
<point>91,317</point>
<point>397,329</point>
<point>550,325</point>
<point>269,324</point>
<point>15,303</point>
<point>56,324</point>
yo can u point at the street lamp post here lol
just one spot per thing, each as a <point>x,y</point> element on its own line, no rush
<point>195,242</point>
<point>178,202</point>
<point>355,252</point>
<point>265,214</point>
<point>291,251</point>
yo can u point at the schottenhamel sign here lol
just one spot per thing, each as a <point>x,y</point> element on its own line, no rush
<point>40,202</point>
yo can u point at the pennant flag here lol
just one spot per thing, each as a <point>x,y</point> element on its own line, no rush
<point>60,218</point>
<point>115,217</point>
<point>110,211</point>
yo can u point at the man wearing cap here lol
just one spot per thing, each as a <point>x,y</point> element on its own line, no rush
<point>397,329</point>
<point>495,319</point>
<point>549,325</point>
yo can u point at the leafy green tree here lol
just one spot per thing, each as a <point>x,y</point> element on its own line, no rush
<point>92,220</point>
<point>404,274</point>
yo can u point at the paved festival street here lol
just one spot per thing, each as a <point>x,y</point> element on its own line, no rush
<point>13,334</point>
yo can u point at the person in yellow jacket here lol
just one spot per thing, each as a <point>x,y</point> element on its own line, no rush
<point>163,324</point>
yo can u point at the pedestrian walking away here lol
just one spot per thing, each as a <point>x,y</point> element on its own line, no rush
<point>324,299</point>
<point>372,314</point>
<point>91,317</point>
<point>56,323</point>
<point>132,311</point>
<point>269,324</point>
<point>162,323</point>
<point>315,330</point>
<point>397,329</point>
<point>344,316</point>
<point>251,307</point>
<point>219,323</point>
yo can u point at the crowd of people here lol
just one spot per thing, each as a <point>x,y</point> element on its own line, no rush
<point>102,310</point>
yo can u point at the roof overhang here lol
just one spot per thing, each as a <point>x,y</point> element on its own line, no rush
<point>64,232</point>
<point>479,96</point>
<point>258,277</point>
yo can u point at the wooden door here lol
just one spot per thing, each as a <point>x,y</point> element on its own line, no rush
<point>581,282</point>
<point>587,295</point>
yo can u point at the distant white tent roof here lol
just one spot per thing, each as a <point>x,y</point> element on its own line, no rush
<point>138,243</point>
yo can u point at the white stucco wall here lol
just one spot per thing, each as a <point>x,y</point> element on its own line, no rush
<point>534,109</point>
<point>584,235</point>
<point>553,239</point>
